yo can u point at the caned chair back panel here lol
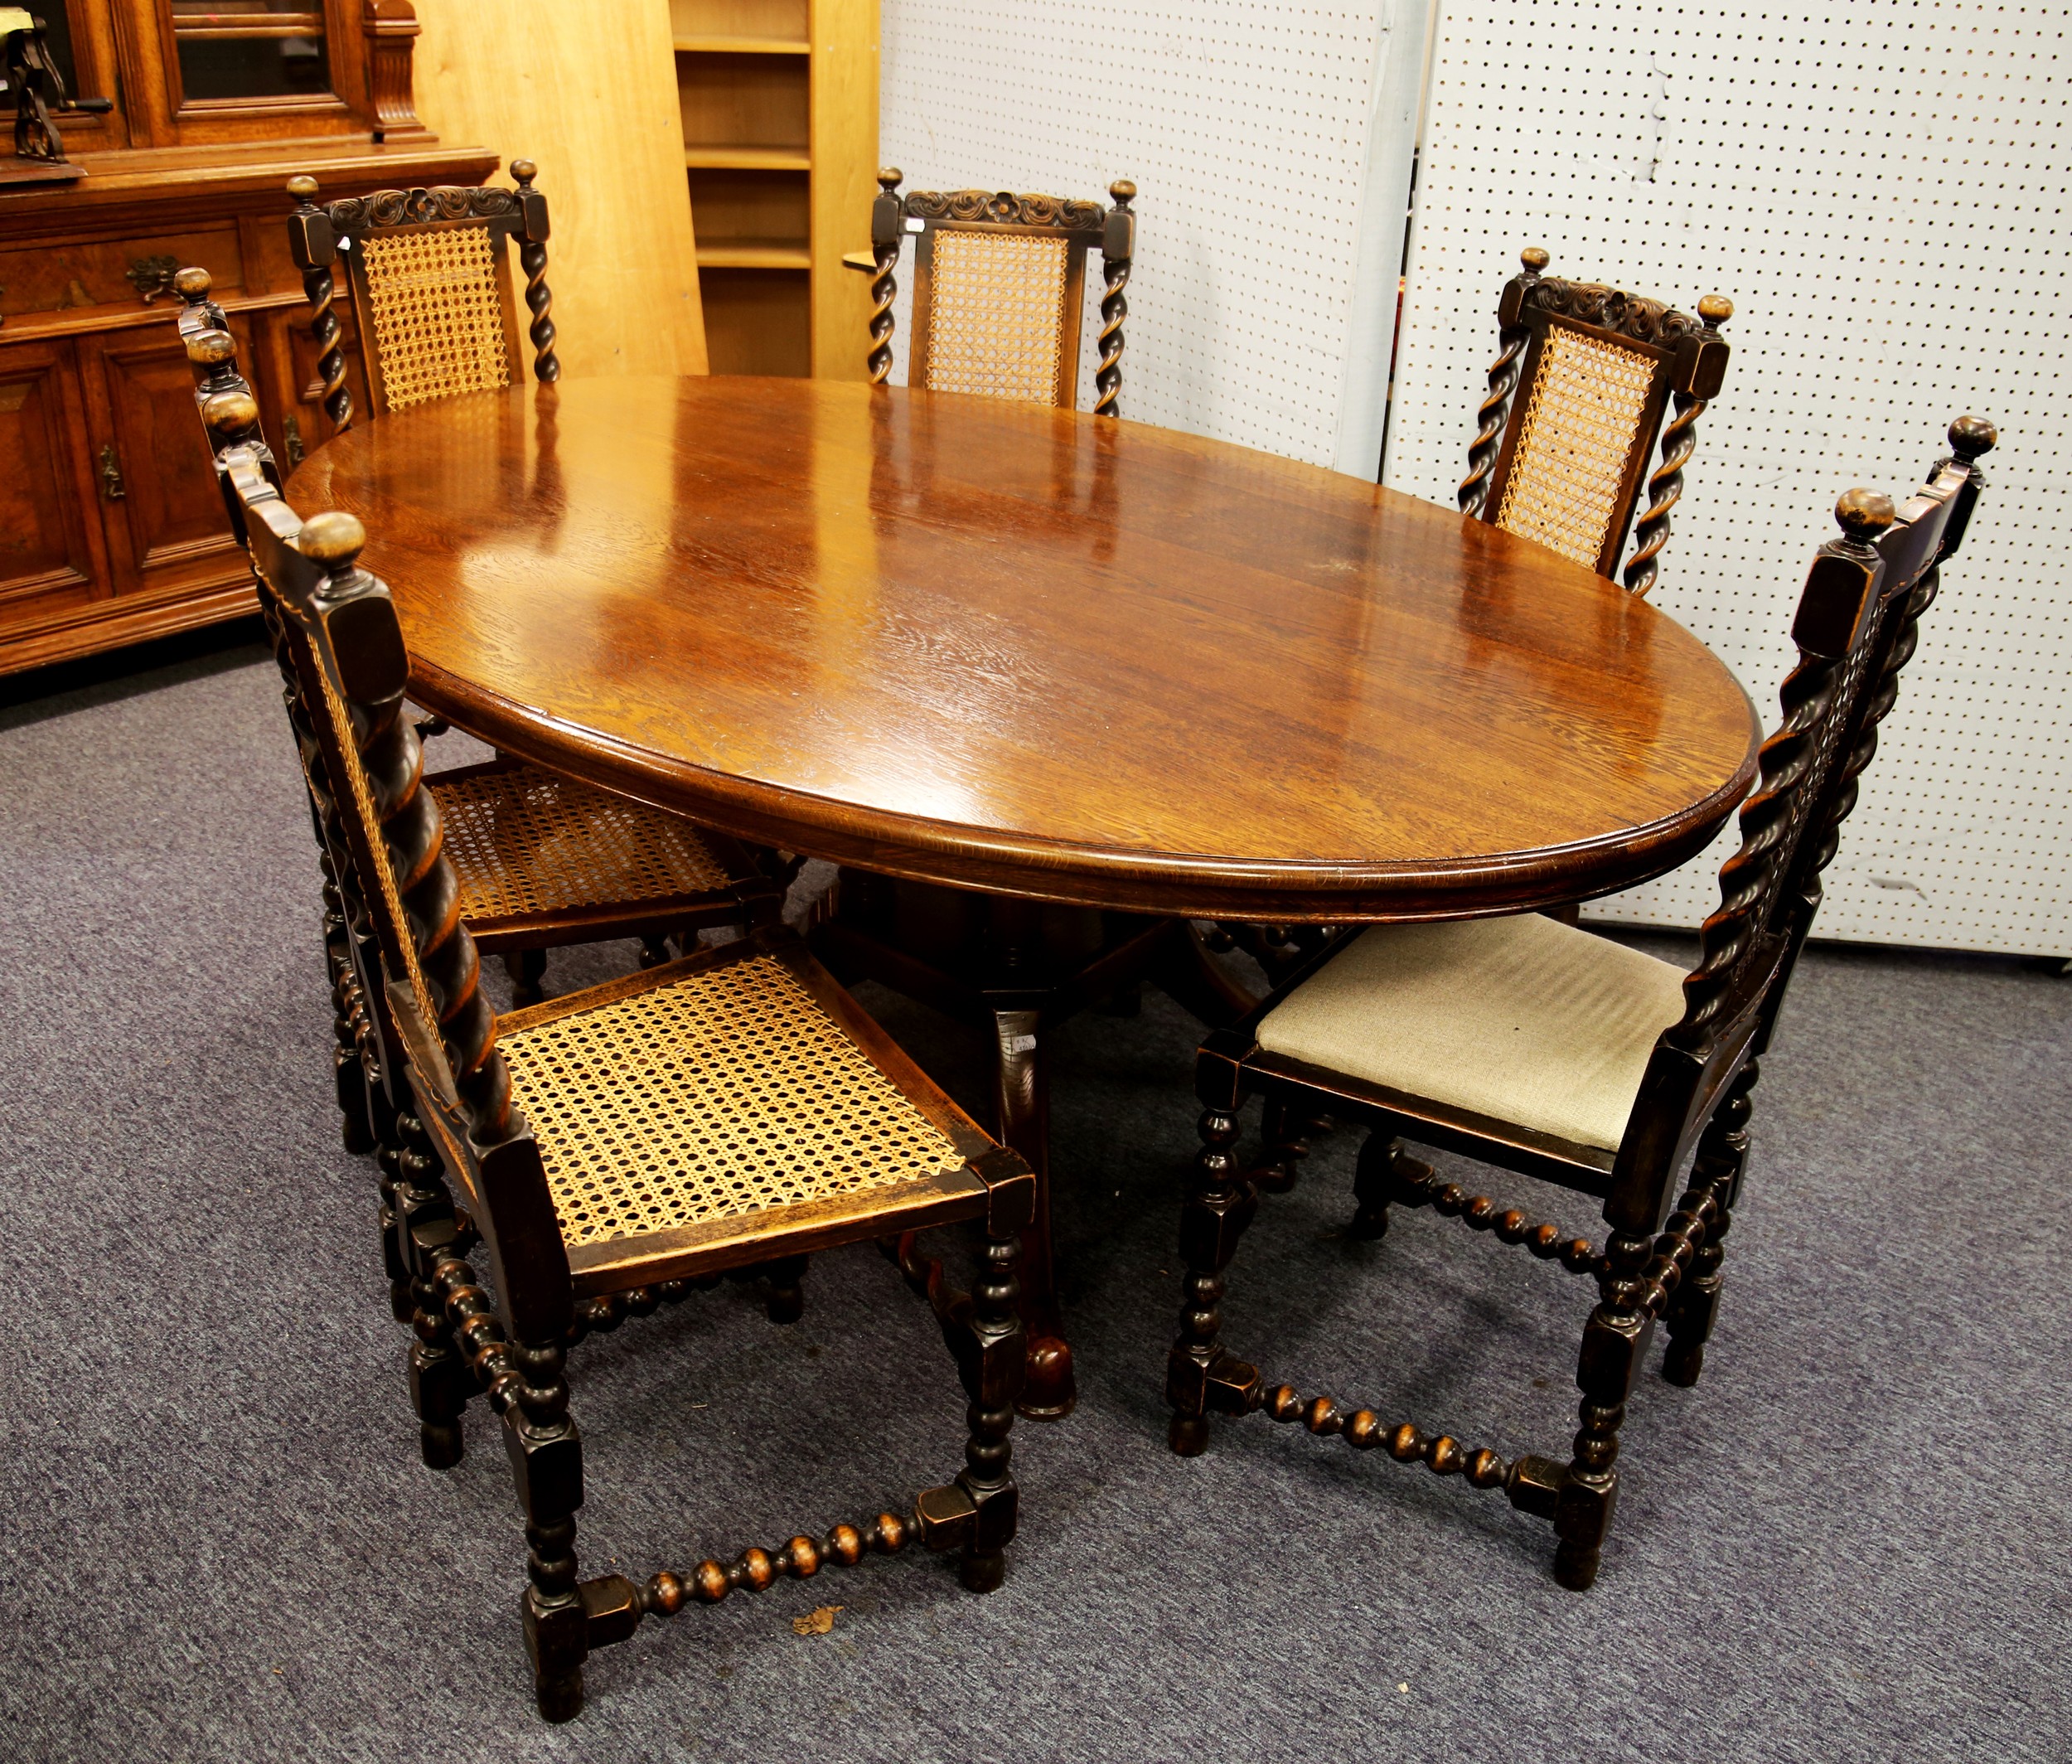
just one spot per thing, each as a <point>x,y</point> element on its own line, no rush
<point>999,282</point>
<point>429,277</point>
<point>1570,465</point>
<point>996,312</point>
<point>436,302</point>
<point>1576,398</point>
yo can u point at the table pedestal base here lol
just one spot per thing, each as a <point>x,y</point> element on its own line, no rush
<point>1016,969</point>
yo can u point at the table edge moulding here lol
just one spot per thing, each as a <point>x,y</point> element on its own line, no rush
<point>1197,880</point>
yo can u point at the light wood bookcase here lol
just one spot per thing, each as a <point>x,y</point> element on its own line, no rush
<point>780,113</point>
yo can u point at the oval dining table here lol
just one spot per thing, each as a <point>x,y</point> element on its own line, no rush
<point>1047,655</point>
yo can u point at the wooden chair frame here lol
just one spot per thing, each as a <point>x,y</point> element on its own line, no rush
<point>421,972</point>
<point>523,937</point>
<point>320,234</point>
<point>1688,362</point>
<point>1856,629</point>
<point>927,214</point>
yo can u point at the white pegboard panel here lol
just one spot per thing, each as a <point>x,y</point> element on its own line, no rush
<point>1247,126</point>
<point>1879,188</point>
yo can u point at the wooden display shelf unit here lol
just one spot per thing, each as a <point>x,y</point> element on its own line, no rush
<point>110,529</point>
<point>780,115</point>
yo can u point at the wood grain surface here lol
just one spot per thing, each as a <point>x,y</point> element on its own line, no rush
<point>589,94</point>
<point>1018,648</point>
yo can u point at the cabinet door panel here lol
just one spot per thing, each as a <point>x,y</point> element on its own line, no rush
<point>305,387</point>
<point>166,525</point>
<point>50,551</point>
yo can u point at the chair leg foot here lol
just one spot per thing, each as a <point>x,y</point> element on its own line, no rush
<point>1187,1435</point>
<point>560,1699</point>
<point>983,1573</point>
<point>1575,1565</point>
<point>1682,1364</point>
<point>439,1445</point>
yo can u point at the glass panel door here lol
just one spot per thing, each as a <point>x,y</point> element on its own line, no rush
<point>233,49</point>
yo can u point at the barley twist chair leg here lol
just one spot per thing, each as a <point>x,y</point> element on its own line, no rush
<point>347,1023</point>
<point>527,968</point>
<point>785,1298</point>
<point>1379,1177</point>
<point>394,1263</point>
<point>1722,1156</point>
<point>975,1515</point>
<point>1614,1341</point>
<point>1282,1154</point>
<point>440,1381</point>
<point>1199,1374</point>
<point>546,1462</point>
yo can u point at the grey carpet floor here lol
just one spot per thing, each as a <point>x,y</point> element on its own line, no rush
<point>1850,1541</point>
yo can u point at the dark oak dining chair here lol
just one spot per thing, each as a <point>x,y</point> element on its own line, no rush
<point>617,1145</point>
<point>1576,397</point>
<point>429,272</point>
<point>543,861</point>
<point>998,282</point>
<point>1544,1049</point>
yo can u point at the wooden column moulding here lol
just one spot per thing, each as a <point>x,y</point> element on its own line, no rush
<point>391,28</point>
<point>102,448</point>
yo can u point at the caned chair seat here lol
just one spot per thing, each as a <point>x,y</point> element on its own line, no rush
<point>1518,1020</point>
<point>717,1093</point>
<point>524,842</point>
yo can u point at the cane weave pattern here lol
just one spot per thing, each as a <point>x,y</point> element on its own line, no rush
<point>1578,433</point>
<point>438,315</point>
<point>364,811</point>
<point>996,317</point>
<point>526,842</point>
<point>727,1093</point>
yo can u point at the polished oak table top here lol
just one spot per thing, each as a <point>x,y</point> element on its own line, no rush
<point>1018,648</point>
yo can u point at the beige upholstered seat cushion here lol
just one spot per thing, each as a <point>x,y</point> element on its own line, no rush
<point>1520,1021</point>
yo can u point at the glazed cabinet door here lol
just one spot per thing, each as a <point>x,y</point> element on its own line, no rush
<point>51,556</point>
<point>168,534</point>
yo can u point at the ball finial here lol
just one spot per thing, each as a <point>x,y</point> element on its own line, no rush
<point>1716,309</point>
<point>889,178</point>
<point>1970,436</point>
<point>1124,192</point>
<point>1534,259</point>
<point>192,284</point>
<point>302,187</point>
<point>1864,514</point>
<point>231,413</point>
<point>211,348</point>
<point>524,171</point>
<point>333,538</point>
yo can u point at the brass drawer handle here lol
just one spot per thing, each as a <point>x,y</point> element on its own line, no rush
<point>151,276</point>
<point>112,474</point>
